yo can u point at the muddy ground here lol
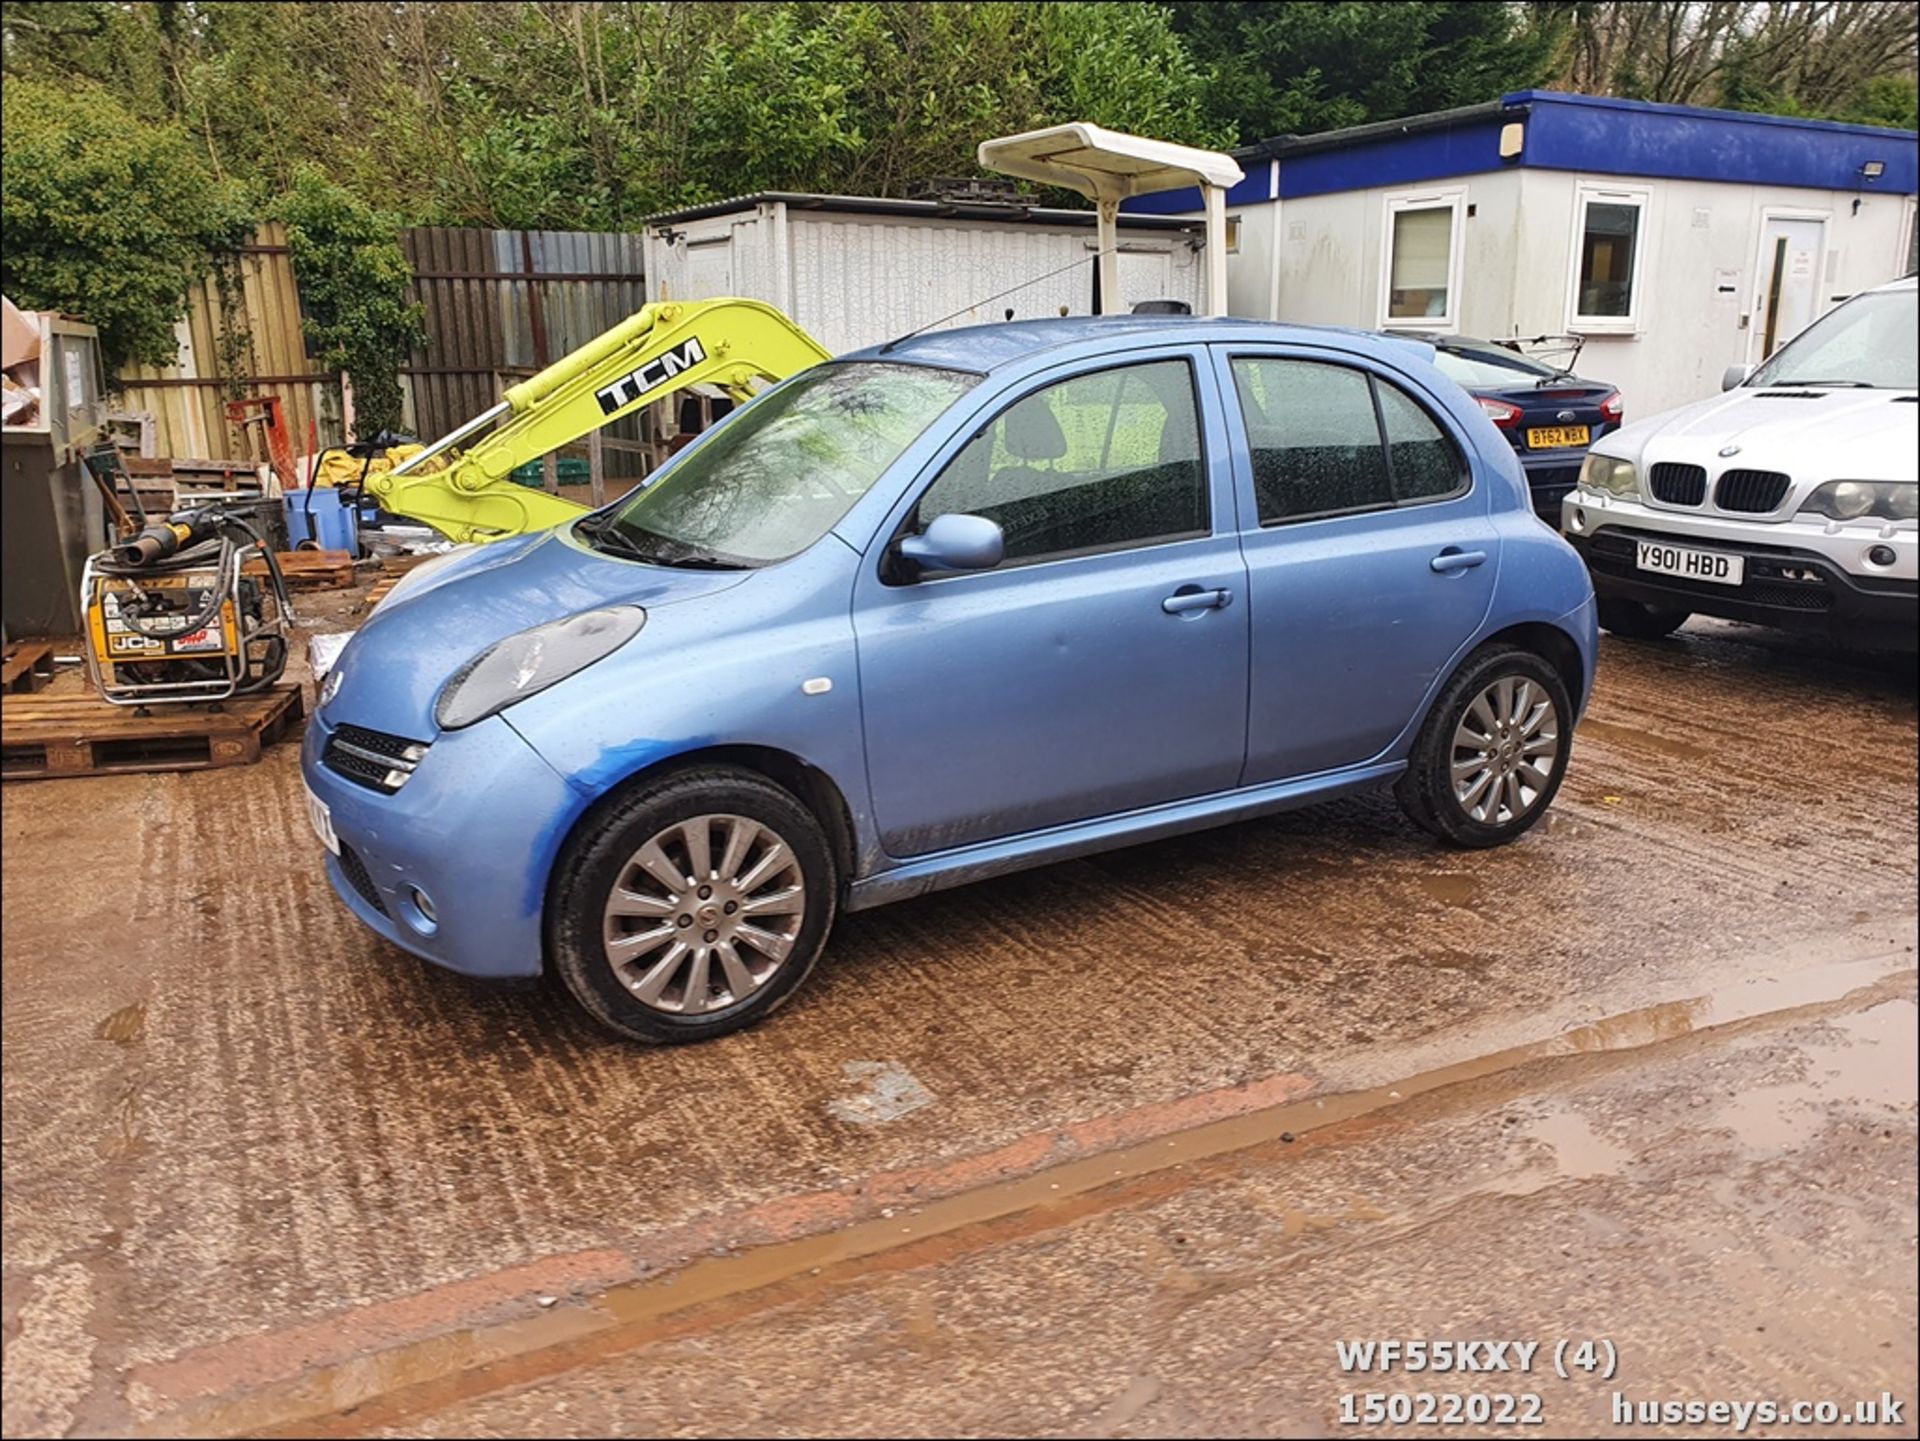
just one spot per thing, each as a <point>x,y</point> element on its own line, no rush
<point>1121,1145</point>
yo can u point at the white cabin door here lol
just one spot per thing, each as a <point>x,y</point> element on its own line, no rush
<point>1788,300</point>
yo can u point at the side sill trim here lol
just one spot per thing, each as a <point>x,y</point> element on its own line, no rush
<point>967,864</point>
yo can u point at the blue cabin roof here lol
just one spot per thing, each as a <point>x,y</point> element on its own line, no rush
<point>1588,133</point>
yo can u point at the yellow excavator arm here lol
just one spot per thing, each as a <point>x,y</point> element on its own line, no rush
<point>659,349</point>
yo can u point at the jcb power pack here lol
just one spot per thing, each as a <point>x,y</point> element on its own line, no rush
<point>173,614</point>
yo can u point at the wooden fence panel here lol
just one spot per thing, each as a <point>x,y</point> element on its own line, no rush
<point>502,305</point>
<point>267,349</point>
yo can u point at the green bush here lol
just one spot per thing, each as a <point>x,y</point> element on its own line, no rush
<point>105,217</point>
<point>353,279</point>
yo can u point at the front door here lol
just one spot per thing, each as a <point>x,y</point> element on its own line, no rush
<point>1102,666</point>
<point>1373,560</point>
<point>1789,298</point>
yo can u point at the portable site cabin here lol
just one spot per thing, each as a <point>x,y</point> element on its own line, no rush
<point>1674,241</point>
<point>859,270</point>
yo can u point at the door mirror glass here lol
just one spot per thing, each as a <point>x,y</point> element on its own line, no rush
<point>956,542</point>
<point>1734,375</point>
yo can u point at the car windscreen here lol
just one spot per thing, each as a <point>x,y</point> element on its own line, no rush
<point>779,473</point>
<point>1488,367</point>
<point>1869,341</point>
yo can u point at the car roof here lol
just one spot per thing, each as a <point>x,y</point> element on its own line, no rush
<point>991,347</point>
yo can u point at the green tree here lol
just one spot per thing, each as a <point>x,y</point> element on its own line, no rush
<point>353,280</point>
<point>1277,69</point>
<point>105,217</point>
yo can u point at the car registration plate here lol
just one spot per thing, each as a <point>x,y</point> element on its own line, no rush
<point>1710,565</point>
<point>1556,437</point>
<point>322,817</point>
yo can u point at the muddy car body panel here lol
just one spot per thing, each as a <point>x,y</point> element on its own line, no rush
<point>946,726</point>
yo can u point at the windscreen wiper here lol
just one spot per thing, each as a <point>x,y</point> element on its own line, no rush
<point>1848,384</point>
<point>602,536</point>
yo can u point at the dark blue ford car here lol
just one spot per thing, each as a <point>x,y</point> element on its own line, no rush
<point>1548,414</point>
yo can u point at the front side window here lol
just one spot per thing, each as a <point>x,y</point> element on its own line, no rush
<point>1333,440</point>
<point>1420,252</point>
<point>1606,258</point>
<point>1093,463</point>
<point>779,475</point>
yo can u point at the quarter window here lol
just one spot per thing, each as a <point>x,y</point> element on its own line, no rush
<point>1093,463</point>
<point>1333,440</point>
<point>1607,259</point>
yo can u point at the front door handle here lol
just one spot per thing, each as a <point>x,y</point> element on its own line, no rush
<point>1450,560</point>
<point>1192,598</point>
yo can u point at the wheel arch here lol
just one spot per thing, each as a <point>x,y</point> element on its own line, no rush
<point>1552,644</point>
<point>811,786</point>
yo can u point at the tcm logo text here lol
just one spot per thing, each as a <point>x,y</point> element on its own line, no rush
<point>655,373</point>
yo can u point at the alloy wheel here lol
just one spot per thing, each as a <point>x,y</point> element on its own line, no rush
<point>703,914</point>
<point>1504,751</point>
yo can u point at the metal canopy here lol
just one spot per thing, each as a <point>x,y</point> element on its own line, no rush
<point>1108,166</point>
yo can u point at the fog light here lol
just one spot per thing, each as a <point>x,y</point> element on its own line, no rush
<point>418,911</point>
<point>1881,555</point>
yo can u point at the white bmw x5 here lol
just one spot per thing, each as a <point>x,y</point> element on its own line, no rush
<point>1791,500</point>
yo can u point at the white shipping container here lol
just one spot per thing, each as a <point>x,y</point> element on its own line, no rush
<point>856,271</point>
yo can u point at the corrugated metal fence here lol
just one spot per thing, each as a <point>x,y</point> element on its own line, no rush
<point>253,348</point>
<point>503,304</point>
<point>500,305</point>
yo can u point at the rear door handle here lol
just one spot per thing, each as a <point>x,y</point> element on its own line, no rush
<point>1450,560</point>
<point>1191,598</point>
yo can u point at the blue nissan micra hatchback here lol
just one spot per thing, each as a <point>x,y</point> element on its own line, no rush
<point>931,612</point>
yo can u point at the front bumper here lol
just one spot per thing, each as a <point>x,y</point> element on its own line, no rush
<point>475,828</point>
<point>1794,576</point>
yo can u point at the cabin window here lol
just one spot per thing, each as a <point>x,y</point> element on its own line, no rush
<point>1421,280</point>
<point>1608,242</point>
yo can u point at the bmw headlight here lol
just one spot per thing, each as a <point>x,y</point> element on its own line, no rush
<point>527,663</point>
<point>1609,476</point>
<point>1864,499</point>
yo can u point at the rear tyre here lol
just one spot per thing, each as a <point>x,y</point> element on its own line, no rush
<point>694,906</point>
<point>1492,752</point>
<point>1636,621</point>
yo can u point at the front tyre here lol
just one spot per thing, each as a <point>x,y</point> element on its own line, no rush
<point>1492,752</point>
<point>693,907</point>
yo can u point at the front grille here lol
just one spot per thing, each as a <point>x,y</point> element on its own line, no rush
<point>1679,484</point>
<point>1751,492</point>
<point>372,758</point>
<point>358,877</point>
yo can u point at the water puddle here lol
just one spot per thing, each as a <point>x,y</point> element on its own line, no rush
<point>124,1027</point>
<point>383,1388</point>
<point>1635,739</point>
<point>1452,889</point>
<point>1867,1062</point>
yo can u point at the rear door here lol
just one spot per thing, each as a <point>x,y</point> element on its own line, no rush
<point>1371,554</point>
<point>1102,666</point>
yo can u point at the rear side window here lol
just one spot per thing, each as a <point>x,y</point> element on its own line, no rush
<point>1094,463</point>
<point>1333,440</point>
<point>1424,463</point>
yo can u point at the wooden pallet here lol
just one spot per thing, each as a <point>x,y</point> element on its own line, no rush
<point>310,569</point>
<point>46,736</point>
<point>28,666</point>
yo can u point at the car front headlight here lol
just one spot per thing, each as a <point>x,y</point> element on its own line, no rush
<point>1864,499</point>
<point>527,663</point>
<point>1608,476</point>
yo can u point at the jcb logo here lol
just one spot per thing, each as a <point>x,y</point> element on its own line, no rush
<point>654,374</point>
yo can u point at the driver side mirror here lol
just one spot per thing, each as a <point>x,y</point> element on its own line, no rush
<point>956,542</point>
<point>1734,375</point>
